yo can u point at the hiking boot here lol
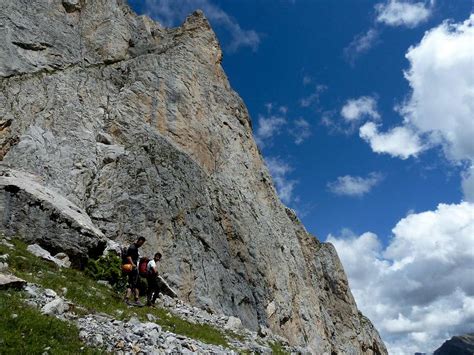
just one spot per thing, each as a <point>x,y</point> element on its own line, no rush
<point>128,303</point>
<point>137,303</point>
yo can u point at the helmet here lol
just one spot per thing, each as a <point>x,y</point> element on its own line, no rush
<point>127,267</point>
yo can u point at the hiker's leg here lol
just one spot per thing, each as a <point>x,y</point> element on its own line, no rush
<point>133,279</point>
<point>149,291</point>
<point>156,290</point>
<point>128,293</point>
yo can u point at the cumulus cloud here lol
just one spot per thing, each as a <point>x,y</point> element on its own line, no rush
<point>399,142</point>
<point>419,290</point>
<point>402,13</point>
<point>356,109</point>
<point>171,13</point>
<point>439,110</point>
<point>284,185</point>
<point>441,77</point>
<point>441,103</point>
<point>360,45</point>
<point>354,185</point>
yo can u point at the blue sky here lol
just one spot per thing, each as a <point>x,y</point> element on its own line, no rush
<point>363,153</point>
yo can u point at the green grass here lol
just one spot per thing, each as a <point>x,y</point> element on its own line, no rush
<point>278,349</point>
<point>85,292</point>
<point>24,330</point>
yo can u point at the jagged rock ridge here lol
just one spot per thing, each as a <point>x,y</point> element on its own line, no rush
<point>457,345</point>
<point>138,128</point>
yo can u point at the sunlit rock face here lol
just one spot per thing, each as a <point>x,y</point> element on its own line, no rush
<point>138,128</point>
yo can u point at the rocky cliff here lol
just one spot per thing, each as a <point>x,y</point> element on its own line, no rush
<point>112,127</point>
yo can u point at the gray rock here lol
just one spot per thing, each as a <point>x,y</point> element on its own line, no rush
<point>151,317</point>
<point>37,213</point>
<point>7,244</point>
<point>50,293</point>
<point>10,281</point>
<point>56,307</point>
<point>104,283</point>
<point>97,340</point>
<point>128,129</point>
<point>65,262</point>
<point>62,261</point>
<point>83,334</point>
<point>72,5</point>
<point>263,331</point>
<point>112,247</point>
<point>233,323</point>
<point>3,266</point>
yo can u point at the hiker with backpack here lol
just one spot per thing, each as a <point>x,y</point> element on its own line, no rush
<point>152,280</point>
<point>130,268</point>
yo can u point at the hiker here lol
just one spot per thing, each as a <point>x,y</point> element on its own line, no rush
<point>152,280</point>
<point>130,267</point>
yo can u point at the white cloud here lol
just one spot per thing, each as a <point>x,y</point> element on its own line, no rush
<point>441,104</point>
<point>301,130</point>
<point>360,44</point>
<point>356,109</point>
<point>399,142</point>
<point>268,127</point>
<point>468,184</point>
<point>441,77</point>
<point>419,290</point>
<point>402,13</point>
<point>273,124</point>
<point>172,13</point>
<point>283,184</point>
<point>313,98</point>
<point>354,185</point>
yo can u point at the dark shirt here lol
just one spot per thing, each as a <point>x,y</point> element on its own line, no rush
<point>132,251</point>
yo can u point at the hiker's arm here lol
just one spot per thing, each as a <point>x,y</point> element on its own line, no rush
<point>130,261</point>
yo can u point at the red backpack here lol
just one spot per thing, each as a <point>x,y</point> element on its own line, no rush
<point>142,266</point>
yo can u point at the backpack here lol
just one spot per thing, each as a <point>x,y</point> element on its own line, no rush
<point>126,267</point>
<point>142,266</point>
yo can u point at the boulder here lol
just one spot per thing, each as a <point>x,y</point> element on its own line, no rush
<point>39,214</point>
<point>55,307</point>
<point>36,250</point>
<point>233,323</point>
<point>10,281</point>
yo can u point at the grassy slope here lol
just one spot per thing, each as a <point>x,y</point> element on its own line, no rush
<point>24,330</point>
<point>92,297</point>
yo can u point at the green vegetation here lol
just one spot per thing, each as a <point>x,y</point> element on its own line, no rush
<point>24,330</point>
<point>107,268</point>
<point>278,349</point>
<point>91,297</point>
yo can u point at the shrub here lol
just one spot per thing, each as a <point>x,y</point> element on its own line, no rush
<point>107,268</point>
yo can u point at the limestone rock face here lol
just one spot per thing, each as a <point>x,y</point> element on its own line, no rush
<point>44,216</point>
<point>138,129</point>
